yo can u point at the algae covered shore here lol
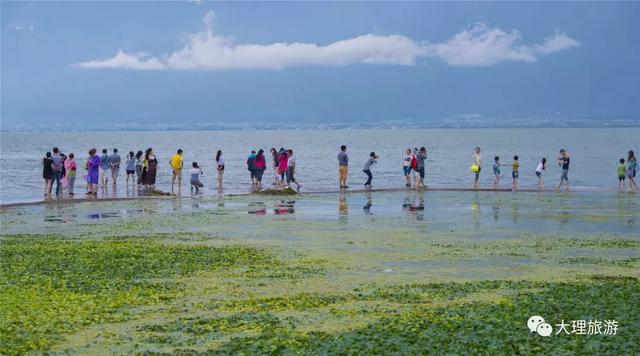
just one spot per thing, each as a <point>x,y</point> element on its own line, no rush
<point>362,273</point>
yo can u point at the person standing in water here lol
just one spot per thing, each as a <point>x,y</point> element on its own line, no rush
<point>58,168</point>
<point>114,165</point>
<point>139,167</point>
<point>104,167</point>
<point>220,167</point>
<point>540,170</point>
<point>176,167</point>
<point>195,177</point>
<point>291,169</point>
<point>343,166</point>
<point>632,168</point>
<point>152,168</point>
<point>71,168</point>
<point>251,166</point>
<point>476,168</point>
<point>47,173</point>
<point>282,165</point>
<point>621,175</point>
<point>406,167</point>
<point>130,166</point>
<point>373,159</point>
<point>259,165</point>
<point>421,156</point>
<point>563,162</point>
<point>274,157</point>
<point>496,172</point>
<point>94,165</point>
<point>515,173</point>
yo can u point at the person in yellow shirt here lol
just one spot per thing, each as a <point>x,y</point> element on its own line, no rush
<point>515,173</point>
<point>176,165</point>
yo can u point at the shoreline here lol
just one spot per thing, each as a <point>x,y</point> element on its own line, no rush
<point>68,200</point>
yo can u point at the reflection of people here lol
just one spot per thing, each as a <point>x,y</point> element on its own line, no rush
<point>367,207</point>
<point>343,207</point>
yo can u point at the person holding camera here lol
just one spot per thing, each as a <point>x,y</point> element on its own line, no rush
<point>373,159</point>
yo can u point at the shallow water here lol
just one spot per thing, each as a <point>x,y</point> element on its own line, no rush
<point>594,153</point>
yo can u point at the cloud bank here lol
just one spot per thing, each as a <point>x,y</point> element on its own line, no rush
<point>479,45</point>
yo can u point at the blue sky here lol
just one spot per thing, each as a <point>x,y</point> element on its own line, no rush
<point>96,63</point>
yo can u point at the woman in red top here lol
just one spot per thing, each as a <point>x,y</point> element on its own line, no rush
<point>259,164</point>
<point>283,160</point>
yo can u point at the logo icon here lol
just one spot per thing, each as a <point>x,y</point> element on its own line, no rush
<point>537,324</point>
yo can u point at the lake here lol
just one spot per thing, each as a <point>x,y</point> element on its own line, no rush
<point>594,155</point>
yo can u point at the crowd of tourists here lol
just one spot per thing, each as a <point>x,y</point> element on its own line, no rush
<point>141,169</point>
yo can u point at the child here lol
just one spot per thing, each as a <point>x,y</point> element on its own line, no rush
<point>515,173</point>
<point>542,167</point>
<point>496,171</point>
<point>195,177</point>
<point>373,159</point>
<point>131,167</point>
<point>621,174</point>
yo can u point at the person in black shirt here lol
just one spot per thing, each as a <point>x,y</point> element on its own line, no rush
<point>47,173</point>
<point>563,162</point>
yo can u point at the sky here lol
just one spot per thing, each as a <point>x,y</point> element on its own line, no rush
<point>94,64</point>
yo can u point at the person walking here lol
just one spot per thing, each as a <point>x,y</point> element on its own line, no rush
<point>563,162</point>
<point>47,173</point>
<point>282,164</point>
<point>176,164</point>
<point>114,165</point>
<point>343,166</point>
<point>540,171</point>
<point>71,169</point>
<point>291,169</point>
<point>373,159</point>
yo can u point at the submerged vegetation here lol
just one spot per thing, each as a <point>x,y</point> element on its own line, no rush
<point>228,281</point>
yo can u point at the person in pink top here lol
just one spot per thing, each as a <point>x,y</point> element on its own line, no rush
<point>283,159</point>
<point>259,165</point>
<point>70,167</point>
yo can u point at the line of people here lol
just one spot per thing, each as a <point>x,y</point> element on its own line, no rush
<point>142,168</point>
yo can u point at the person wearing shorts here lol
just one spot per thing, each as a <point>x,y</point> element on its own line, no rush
<point>621,174</point>
<point>421,156</point>
<point>343,166</point>
<point>477,161</point>
<point>176,164</point>
<point>291,169</point>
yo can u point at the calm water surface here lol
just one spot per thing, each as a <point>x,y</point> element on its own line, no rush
<point>594,155</point>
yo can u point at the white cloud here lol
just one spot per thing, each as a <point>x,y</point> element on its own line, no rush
<point>555,43</point>
<point>139,61</point>
<point>197,2</point>
<point>479,45</point>
<point>22,27</point>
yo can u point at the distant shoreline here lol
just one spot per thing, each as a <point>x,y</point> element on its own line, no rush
<point>312,127</point>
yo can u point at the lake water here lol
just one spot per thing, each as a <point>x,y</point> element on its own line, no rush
<point>594,156</point>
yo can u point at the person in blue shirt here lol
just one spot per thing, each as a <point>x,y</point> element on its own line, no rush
<point>104,167</point>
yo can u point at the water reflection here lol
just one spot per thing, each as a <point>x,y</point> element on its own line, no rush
<point>413,204</point>
<point>258,208</point>
<point>367,207</point>
<point>343,206</point>
<point>285,207</point>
